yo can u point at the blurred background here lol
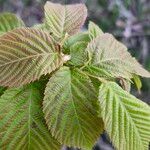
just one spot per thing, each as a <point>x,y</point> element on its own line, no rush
<point>128,20</point>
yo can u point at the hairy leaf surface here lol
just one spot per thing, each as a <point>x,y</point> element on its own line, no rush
<point>94,30</point>
<point>78,54</point>
<point>70,106</point>
<point>126,119</point>
<point>110,58</point>
<point>79,37</point>
<point>75,46</point>
<point>9,22</point>
<point>22,125</point>
<point>25,55</point>
<point>62,19</point>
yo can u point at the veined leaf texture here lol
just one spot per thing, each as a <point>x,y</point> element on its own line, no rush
<point>69,106</point>
<point>22,125</point>
<point>110,59</point>
<point>25,55</point>
<point>75,67</point>
<point>9,22</point>
<point>62,19</point>
<point>126,119</point>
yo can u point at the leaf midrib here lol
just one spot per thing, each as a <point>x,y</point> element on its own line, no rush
<point>129,116</point>
<point>29,117</point>
<point>73,104</point>
<point>29,57</point>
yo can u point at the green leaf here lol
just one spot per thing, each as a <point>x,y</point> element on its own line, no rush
<point>137,82</point>
<point>94,30</point>
<point>75,46</point>
<point>78,54</point>
<point>70,108</point>
<point>79,37</point>
<point>109,58</point>
<point>96,83</point>
<point>126,119</point>
<point>9,22</point>
<point>25,55</point>
<point>22,125</point>
<point>62,19</point>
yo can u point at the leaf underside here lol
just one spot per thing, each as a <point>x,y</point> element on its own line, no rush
<point>25,55</point>
<point>126,119</point>
<point>62,19</point>
<point>22,125</point>
<point>70,109</point>
<point>74,113</point>
<point>9,22</point>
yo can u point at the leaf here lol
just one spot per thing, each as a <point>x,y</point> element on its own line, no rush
<point>94,30</point>
<point>70,106</point>
<point>110,59</point>
<point>78,54</point>
<point>126,119</point>
<point>125,84</point>
<point>25,55</point>
<point>75,46</point>
<point>137,82</point>
<point>9,22</point>
<point>79,37</point>
<point>40,26</point>
<point>62,19</point>
<point>96,83</point>
<point>22,125</point>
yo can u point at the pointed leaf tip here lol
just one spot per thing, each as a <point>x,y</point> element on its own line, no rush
<point>8,22</point>
<point>62,19</point>
<point>126,118</point>
<point>110,58</point>
<point>69,108</point>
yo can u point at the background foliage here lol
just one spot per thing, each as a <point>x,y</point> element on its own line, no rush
<point>128,20</point>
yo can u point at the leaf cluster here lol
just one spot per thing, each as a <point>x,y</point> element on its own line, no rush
<point>62,86</point>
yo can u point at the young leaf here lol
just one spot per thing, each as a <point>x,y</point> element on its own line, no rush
<point>70,105</point>
<point>125,84</point>
<point>9,22</point>
<point>22,125</point>
<point>62,19</point>
<point>25,55</point>
<point>94,30</point>
<point>137,82</point>
<point>79,37</point>
<point>75,46</point>
<point>78,54</point>
<point>110,58</point>
<point>126,119</point>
